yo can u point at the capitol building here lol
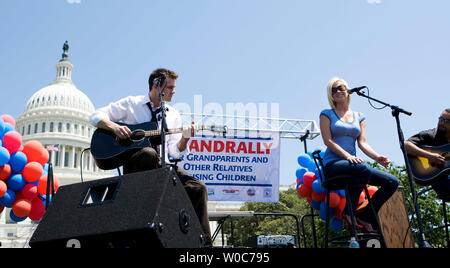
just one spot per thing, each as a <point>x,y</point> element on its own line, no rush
<point>57,114</point>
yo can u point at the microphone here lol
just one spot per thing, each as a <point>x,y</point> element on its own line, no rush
<point>158,79</point>
<point>356,89</point>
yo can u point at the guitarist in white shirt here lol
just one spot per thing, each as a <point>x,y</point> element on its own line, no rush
<point>136,110</point>
<point>434,137</point>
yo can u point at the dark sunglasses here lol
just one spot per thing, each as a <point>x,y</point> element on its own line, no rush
<point>446,121</point>
<point>340,88</point>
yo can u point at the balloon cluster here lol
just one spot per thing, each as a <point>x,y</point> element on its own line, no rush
<point>23,173</point>
<point>310,187</point>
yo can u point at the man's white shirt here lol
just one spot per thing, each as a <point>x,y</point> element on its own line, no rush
<point>134,110</point>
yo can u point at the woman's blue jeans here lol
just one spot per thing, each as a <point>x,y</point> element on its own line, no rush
<point>363,174</point>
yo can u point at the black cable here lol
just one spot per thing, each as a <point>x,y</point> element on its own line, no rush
<point>370,103</point>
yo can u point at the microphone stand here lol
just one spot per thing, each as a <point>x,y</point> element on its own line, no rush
<point>395,113</point>
<point>163,124</point>
<point>313,225</point>
<point>50,183</point>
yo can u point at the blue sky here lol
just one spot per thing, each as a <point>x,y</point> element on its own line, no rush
<point>249,51</point>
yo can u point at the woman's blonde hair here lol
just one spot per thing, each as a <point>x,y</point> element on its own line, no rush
<point>330,91</point>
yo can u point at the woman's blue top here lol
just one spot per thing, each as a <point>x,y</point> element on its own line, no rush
<point>343,133</point>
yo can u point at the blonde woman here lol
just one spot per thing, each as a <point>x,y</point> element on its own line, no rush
<point>341,129</point>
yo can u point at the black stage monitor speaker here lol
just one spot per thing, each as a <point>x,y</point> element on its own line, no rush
<point>145,209</point>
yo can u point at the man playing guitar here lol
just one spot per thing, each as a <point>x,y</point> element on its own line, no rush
<point>436,137</point>
<point>142,109</point>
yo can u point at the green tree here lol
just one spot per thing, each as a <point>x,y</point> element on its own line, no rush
<point>430,209</point>
<point>290,202</point>
<point>245,227</point>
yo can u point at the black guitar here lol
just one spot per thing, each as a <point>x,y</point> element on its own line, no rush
<point>110,152</point>
<point>424,172</point>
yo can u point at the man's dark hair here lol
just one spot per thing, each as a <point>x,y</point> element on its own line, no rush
<point>161,72</point>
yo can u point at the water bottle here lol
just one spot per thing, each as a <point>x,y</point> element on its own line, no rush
<point>353,243</point>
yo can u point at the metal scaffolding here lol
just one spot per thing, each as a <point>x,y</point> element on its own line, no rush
<point>288,128</point>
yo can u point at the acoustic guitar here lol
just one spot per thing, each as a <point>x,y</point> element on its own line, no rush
<point>426,173</point>
<point>110,152</point>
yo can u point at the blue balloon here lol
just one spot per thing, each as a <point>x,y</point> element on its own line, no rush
<point>316,171</point>
<point>44,198</point>
<point>312,166</point>
<point>303,160</point>
<point>317,186</point>
<point>16,182</point>
<point>45,167</point>
<point>336,225</point>
<point>8,199</point>
<point>306,162</point>
<point>315,205</point>
<point>300,172</point>
<point>322,154</point>
<point>323,211</point>
<point>18,161</point>
<point>2,126</point>
<point>4,156</point>
<point>323,215</point>
<point>341,192</point>
<point>15,218</point>
<point>8,128</point>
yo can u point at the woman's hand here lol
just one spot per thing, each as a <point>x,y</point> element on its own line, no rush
<point>354,160</point>
<point>384,161</point>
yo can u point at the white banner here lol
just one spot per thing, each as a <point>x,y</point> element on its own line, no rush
<point>236,168</point>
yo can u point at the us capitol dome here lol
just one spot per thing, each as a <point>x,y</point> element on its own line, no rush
<point>58,114</point>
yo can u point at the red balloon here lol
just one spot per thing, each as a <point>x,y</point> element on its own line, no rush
<point>37,210</point>
<point>372,190</point>
<point>342,204</point>
<point>5,172</point>
<point>337,214</point>
<point>317,197</point>
<point>363,205</point>
<point>42,185</point>
<point>362,202</point>
<point>43,157</point>
<point>33,151</point>
<point>362,197</point>
<point>1,209</point>
<point>304,191</point>
<point>309,178</point>
<point>19,196</point>
<point>12,141</point>
<point>30,192</point>
<point>335,199</point>
<point>9,119</point>
<point>32,171</point>
<point>21,208</point>
<point>3,188</point>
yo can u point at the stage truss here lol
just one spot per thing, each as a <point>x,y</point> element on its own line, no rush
<point>288,128</point>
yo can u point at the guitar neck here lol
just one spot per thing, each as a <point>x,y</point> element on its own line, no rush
<point>157,132</point>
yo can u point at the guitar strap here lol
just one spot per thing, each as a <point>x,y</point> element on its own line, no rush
<point>156,141</point>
